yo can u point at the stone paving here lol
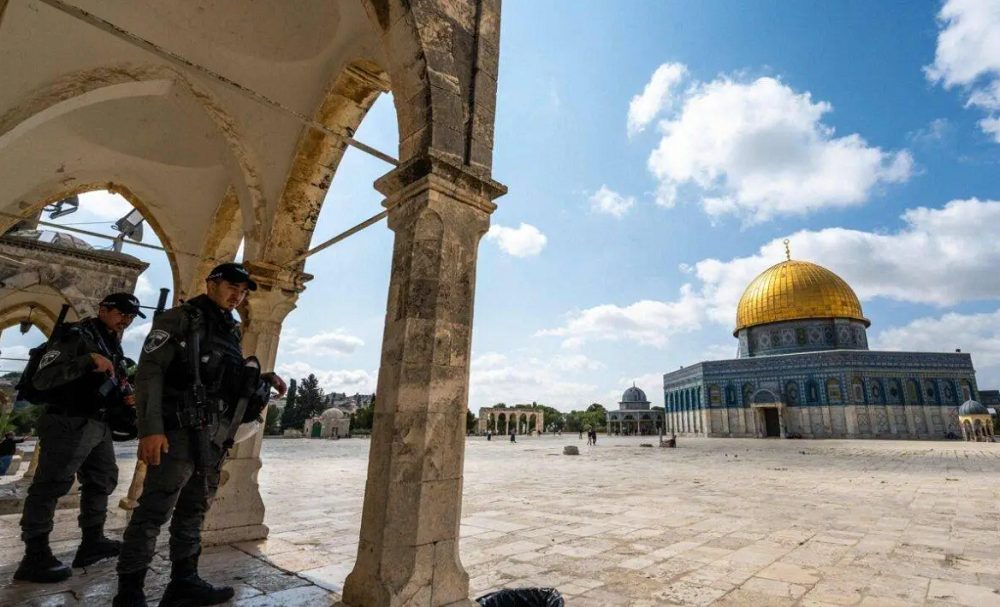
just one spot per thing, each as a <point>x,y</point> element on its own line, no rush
<point>720,522</point>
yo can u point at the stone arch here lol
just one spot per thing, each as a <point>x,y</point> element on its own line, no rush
<point>445,99</point>
<point>35,312</point>
<point>82,88</point>
<point>80,305</point>
<point>349,97</point>
<point>54,191</point>
<point>765,397</point>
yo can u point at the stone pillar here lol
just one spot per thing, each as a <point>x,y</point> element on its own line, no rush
<point>237,513</point>
<point>408,553</point>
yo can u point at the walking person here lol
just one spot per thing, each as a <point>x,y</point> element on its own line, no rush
<point>513,436</point>
<point>8,447</point>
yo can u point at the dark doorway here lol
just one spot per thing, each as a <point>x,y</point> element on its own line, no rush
<point>771,426</point>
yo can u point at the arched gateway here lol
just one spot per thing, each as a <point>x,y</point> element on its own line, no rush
<point>503,420</point>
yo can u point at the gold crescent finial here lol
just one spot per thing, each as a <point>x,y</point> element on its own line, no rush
<point>788,250</point>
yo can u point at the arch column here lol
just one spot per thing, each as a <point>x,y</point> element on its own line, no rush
<point>408,551</point>
<point>237,514</point>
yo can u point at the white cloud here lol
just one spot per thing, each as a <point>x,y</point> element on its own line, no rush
<point>349,381</point>
<point>325,344</point>
<point>525,241</point>
<point>136,334</point>
<point>14,352</point>
<point>760,150</point>
<point>496,378</point>
<point>977,334</point>
<point>105,205</point>
<point>656,97</point>
<point>645,322</point>
<point>610,202</point>
<point>968,55</point>
<point>143,287</point>
<point>936,258</point>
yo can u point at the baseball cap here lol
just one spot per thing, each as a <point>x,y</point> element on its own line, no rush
<point>234,273</point>
<point>125,302</point>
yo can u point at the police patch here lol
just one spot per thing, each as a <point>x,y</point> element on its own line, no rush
<point>155,339</point>
<point>48,358</point>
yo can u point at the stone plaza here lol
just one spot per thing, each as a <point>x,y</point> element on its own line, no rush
<point>720,522</point>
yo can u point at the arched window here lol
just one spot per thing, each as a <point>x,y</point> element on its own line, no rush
<point>894,391</point>
<point>812,392</point>
<point>730,394</point>
<point>912,392</point>
<point>833,394</point>
<point>966,390</point>
<point>792,393</point>
<point>714,395</point>
<point>747,394</point>
<point>928,391</point>
<point>876,390</point>
<point>858,391</point>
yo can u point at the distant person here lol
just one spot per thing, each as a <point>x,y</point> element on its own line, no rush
<point>489,435</point>
<point>594,437</point>
<point>8,447</point>
<point>513,436</point>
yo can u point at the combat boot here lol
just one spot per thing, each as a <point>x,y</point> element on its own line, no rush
<point>187,589</point>
<point>95,547</point>
<point>38,564</point>
<point>130,592</point>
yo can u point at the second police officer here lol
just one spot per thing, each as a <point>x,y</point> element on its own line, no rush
<point>80,376</point>
<point>193,388</point>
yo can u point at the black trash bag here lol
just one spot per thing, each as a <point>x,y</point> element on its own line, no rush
<point>523,597</point>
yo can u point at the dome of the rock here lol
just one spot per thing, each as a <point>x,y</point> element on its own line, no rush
<point>796,290</point>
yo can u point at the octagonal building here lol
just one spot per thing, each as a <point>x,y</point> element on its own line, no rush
<point>803,368</point>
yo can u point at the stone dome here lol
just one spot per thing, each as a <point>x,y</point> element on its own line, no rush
<point>332,414</point>
<point>796,290</point>
<point>634,395</point>
<point>61,239</point>
<point>971,407</point>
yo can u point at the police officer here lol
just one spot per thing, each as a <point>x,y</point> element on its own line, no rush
<point>183,468</point>
<point>79,378</point>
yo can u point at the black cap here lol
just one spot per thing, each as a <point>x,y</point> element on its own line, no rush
<point>125,302</point>
<point>234,273</point>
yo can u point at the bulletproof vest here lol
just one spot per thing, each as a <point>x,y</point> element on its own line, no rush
<point>81,395</point>
<point>220,352</point>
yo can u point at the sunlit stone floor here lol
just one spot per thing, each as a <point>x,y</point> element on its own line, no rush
<point>714,522</point>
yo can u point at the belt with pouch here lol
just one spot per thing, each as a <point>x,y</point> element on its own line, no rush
<point>99,415</point>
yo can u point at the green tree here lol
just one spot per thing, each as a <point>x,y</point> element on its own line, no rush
<point>363,418</point>
<point>309,402</point>
<point>470,421</point>
<point>272,425</point>
<point>288,414</point>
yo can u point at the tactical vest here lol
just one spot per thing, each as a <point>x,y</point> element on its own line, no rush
<point>221,359</point>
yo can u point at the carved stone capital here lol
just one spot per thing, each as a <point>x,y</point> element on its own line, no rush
<point>433,171</point>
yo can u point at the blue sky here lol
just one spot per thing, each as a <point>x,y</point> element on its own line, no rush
<point>656,157</point>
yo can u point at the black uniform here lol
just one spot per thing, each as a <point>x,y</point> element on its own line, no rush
<point>186,480</point>
<point>74,435</point>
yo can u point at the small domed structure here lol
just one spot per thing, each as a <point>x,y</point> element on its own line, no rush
<point>59,239</point>
<point>332,423</point>
<point>634,395</point>
<point>976,422</point>
<point>972,407</point>
<point>634,415</point>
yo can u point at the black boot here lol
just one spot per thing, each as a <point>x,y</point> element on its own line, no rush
<point>187,589</point>
<point>95,547</point>
<point>130,593</point>
<point>38,564</point>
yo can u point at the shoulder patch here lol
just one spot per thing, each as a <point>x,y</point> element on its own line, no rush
<point>155,339</point>
<point>48,358</point>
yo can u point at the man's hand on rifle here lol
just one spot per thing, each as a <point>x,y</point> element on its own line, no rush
<point>276,382</point>
<point>150,448</point>
<point>102,364</point>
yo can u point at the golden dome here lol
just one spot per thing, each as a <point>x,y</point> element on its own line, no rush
<point>795,290</point>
